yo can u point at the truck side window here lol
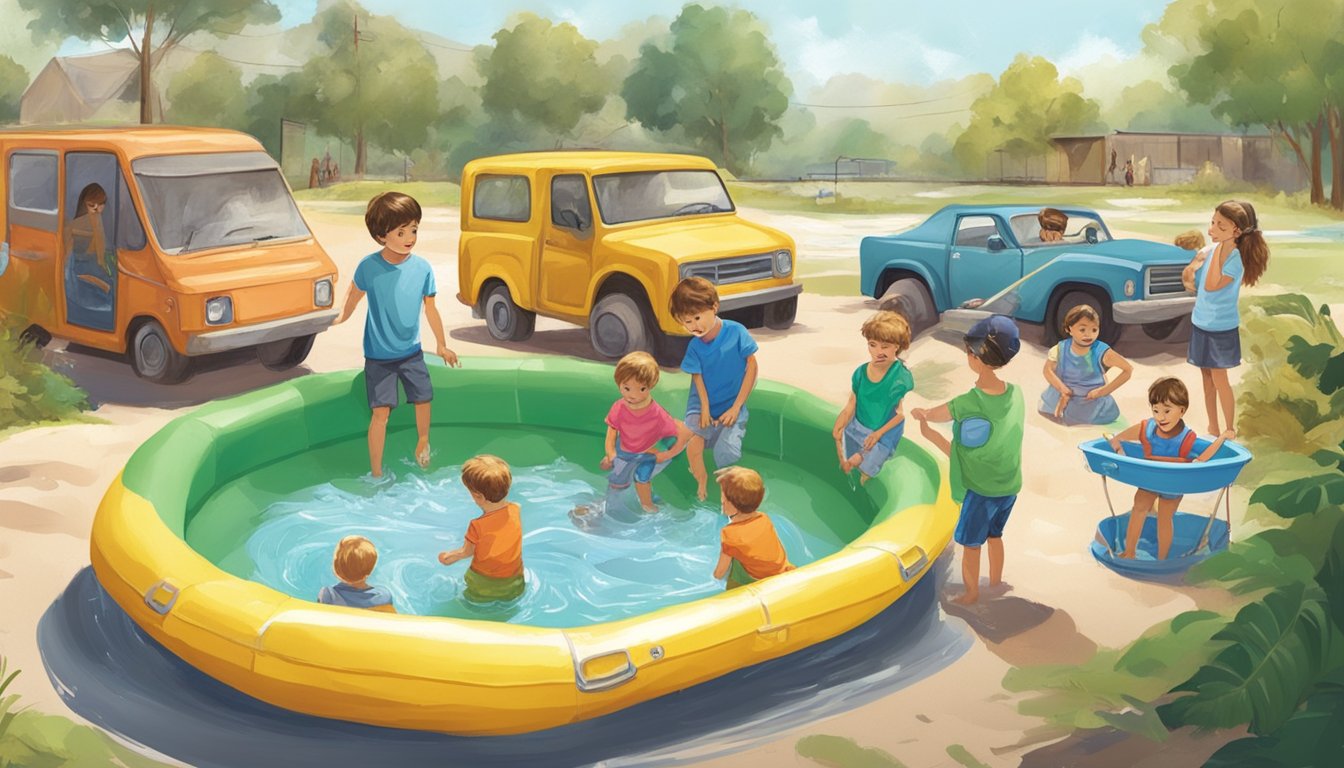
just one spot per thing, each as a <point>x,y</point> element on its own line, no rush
<point>570,207</point>
<point>32,190</point>
<point>974,231</point>
<point>507,198</point>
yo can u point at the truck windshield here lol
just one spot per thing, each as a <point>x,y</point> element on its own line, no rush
<point>195,202</point>
<point>625,197</point>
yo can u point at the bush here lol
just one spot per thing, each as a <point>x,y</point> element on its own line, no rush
<point>1209,179</point>
<point>30,392</point>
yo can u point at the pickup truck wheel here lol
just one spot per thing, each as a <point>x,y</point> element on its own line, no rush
<point>504,319</point>
<point>779,315</point>
<point>1110,331</point>
<point>1161,331</point>
<point>616,327</point>
<point>286,353</point>
<point>153,356</point>
<point>909,297</point>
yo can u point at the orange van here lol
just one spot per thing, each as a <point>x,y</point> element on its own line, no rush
<point>162,243</point>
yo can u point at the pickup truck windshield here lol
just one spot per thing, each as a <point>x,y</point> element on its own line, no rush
<point>195,202</point>
<point>625,197</point>
<point>1027,230</point>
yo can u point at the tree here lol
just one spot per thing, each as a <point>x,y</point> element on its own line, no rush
<point>13,82</point>
<point>1029,104</point>
<point>381,88</point>
<point>271,99</point>
<point>151,27</point>
<point>208,92</point>
<point>721,82</point>
<point>1152,106</point>
<point>543,74</point>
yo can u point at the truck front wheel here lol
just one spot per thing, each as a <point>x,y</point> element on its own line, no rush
<point>1054,322</point>
<point>616,327</point>
<point>504,319</point>
<point>779,315</point>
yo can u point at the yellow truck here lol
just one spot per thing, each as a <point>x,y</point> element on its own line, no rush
<point>600,239</point>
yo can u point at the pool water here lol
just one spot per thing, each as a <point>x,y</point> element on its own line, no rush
<point>614,562</point>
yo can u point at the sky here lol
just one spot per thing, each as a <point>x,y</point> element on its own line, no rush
<point>899,41</point>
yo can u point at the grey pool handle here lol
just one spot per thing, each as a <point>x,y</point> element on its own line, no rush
<point>920,564</point>
<point>604,682</point>
<point>152,599</point>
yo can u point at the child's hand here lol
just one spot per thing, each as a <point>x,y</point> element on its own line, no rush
<point>607,462</point>
<point>1094,394</point>
<point>1228,434</point>
<point>705,421</point>
<point>919,414</point>
<point>660,456</point>
<point>446,558</point>
<point>729,417</point>
<point>1115,444</point>
<point>1064,399</point>
<point>448,355</point>
<point>870,441</point>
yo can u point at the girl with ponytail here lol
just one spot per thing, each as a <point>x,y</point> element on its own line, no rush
<point>1237,256</point>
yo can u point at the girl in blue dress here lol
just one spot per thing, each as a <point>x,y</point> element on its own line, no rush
<point>1076,371</point>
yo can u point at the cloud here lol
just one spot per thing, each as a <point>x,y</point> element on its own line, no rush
<point>815,57</point>
<point>1090,49</point>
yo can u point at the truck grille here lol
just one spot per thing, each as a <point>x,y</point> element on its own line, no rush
<point>1165,281</point>
<point>739,269</point>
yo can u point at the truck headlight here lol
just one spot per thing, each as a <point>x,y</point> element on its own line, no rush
<point>219,310</point>
<point>1129,287</point>
<point>322,293</point>
<point>783,263</point>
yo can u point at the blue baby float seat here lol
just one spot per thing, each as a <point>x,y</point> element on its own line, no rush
<point>1196,537</point>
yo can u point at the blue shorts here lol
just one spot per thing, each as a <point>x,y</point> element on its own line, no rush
<point>982,517</point>
<point>856,433</point>
<point>381,377</point>
<point>638,467</point>
<point>726,442</point>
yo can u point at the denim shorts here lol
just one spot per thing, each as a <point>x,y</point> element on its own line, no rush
<point>381,377</point>
<point>856,433</point>
<point>726,442</point>
<point>982,517</point>
<point>637,467</point>
<point>1214,349</point>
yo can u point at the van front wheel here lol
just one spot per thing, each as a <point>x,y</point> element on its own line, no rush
<point>153,356</point>
<point>286,353</point>
<point>616,327</point>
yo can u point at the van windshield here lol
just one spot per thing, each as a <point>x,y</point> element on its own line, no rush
<point>195,202</point>
<point>624,197</point>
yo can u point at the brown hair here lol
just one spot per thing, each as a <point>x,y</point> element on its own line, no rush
<point>1251,244</point>
<point>692,295</point>
<point>1190,240</point>
<point>93,193</point>
<point>1170,390</point>
<point>1053,219</point>
<point>639,366</point>
<point>487,475</point>
<point>354,559</point>
<point>1080,312</point>
<point>388,211</point>
<point>889,328</point>
<point>743,487</point>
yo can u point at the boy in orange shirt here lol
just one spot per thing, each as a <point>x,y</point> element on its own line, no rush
<point>750,549</point>
<point>494,541</point>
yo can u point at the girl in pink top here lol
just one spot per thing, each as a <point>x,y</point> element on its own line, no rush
<point>636,427</point>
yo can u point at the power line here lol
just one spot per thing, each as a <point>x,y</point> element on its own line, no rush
<point>260,63</point>
<point>254,37</point>
<point>447,47</point>
<point>881,106</point>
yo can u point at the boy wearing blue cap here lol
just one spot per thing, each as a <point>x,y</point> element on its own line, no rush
<point>985,450</point>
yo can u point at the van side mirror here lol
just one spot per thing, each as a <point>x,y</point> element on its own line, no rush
<point>995,243</point>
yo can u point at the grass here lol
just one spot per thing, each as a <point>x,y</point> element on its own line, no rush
<point>840,752</point>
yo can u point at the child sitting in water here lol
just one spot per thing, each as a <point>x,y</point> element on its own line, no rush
<point>1164,437</point>
<point>353,562</point>
<point>494,541</point>
<point>1076,371</point>
<point>750,549</point>
<point>1190,240</point>
<point>636,426</point>
<point>870,425</point>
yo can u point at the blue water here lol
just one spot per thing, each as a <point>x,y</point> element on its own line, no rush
<point>614,563</point>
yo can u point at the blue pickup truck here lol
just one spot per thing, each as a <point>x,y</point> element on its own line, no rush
<point>965,253</point>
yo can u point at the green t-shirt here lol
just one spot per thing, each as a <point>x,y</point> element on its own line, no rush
<point>987,442</point>
<point>877,400</point>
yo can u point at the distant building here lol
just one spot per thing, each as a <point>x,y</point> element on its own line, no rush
<point>99,87</point>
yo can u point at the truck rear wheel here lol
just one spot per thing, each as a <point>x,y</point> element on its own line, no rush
<point>909,297</point>
<point>504,319</point>
<point>616,327</point>
<point>779,315</point>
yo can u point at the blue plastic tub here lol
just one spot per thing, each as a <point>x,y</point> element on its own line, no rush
<point>1167,477</point>
<point>1189,529</point>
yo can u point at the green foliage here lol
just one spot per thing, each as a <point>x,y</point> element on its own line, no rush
<point>1028,106</point>
<point>7,703</point>
<point>13,82</point>
<point>1278,650</point>
<point>1302,496</point>
<point>964,757</point>
<point>269,100</point>
<point>30,392</point>
<point>840,752</point>
<point>1267,560</point>
<point>721,83</point>
<point>1153,106</point>
<point>1209,180</point>
<point>1311,737</point>
<point>209,92</point>
<point>542,73</point>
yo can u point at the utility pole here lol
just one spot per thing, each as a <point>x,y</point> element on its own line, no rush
<point>359,104</point>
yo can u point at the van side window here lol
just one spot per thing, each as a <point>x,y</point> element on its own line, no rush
<point>508,198</point>
<point>570,207</point>
<point>130,232</point>
<point>32,190</point>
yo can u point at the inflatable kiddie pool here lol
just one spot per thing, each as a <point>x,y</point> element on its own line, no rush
<point>465,676</point>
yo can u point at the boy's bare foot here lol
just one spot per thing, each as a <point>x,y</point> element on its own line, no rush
<point>422,453</point>
<point>1213,430</point>
<point>649,508</point>
<point>966,598</point>
<point>1126,555</point>
<point>1001,588</point>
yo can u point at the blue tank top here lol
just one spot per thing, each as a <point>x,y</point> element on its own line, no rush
<point>1164,446</point>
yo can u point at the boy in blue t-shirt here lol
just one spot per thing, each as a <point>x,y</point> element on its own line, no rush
<point>397,283</point>
<point>721,359</point>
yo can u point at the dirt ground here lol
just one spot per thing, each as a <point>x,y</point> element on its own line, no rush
<point>51,480</point>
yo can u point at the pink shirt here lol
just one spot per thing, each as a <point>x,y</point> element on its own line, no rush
<point>639,430</point>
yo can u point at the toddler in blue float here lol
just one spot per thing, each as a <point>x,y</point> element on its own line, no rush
<point>1076,371</point>
<point>871,424</point>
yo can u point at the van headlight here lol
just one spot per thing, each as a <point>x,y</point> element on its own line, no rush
<point>783,263</point>
<point>219,310</point>
<point>322,293</point>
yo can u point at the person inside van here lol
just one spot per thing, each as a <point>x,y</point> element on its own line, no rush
<point>86,243</point>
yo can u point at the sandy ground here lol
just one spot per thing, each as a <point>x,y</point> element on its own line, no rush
<point>51,480</point>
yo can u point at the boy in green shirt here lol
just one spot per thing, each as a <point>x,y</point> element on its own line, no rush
<point>985,451</point>
<point>871,424</point>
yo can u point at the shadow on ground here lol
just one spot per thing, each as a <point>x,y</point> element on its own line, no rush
<point>112,674</point>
